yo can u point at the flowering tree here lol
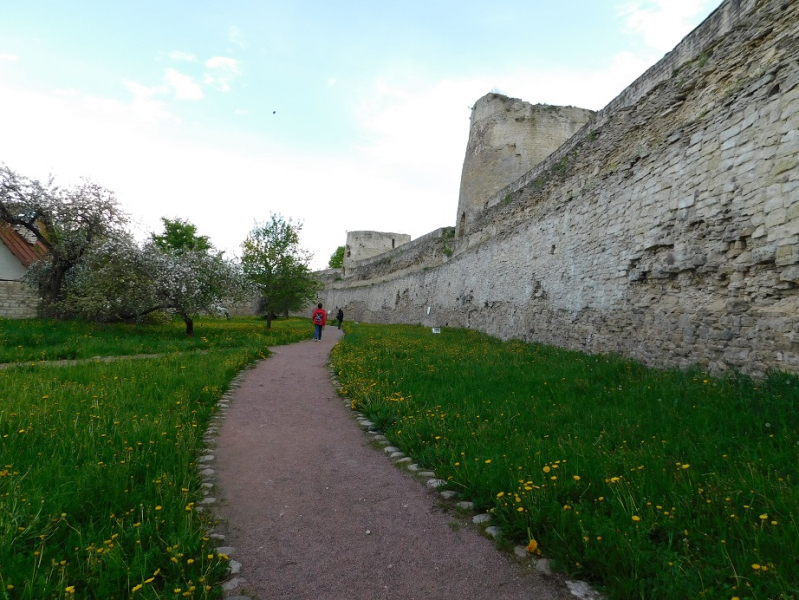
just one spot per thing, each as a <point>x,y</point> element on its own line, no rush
<point>94,268</point>
<point>68,222</point>
<point>274,262</point>
<point>122,280</point>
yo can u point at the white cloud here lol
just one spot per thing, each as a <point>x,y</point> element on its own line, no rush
<point>221,70</point>
<point>184,86</point>
<point>144,105</point>
<point>331,81</point>
<point>4,57</point>
<point>182,56</point>
<point>403,176</point>
<point>235,36</point>
<point>662,23</point>
<point>223,63</point>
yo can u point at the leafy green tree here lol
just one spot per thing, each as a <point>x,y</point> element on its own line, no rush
<point>336,259</point>
<point>180,235</point>
<point>274,262</point>
<point>68,222</point>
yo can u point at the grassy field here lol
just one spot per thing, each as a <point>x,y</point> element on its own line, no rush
<point>98,480</point>
<point>40,340</point>
<point>650,484</point>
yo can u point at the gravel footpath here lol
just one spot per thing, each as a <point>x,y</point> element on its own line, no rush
<point>311,509</point>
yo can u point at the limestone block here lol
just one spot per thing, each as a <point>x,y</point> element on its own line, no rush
<point>776,217</point>
<point>790,274</point>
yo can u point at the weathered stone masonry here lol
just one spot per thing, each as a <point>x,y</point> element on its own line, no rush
<point>18,301</point>
<point>667,229</point>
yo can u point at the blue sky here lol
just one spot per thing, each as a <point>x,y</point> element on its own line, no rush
<point>345,116</point>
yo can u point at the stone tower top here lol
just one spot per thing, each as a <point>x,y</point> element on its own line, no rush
<point>507,138</point>
<point>366,244</point>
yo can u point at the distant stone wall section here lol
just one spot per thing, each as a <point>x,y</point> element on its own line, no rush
<point>666,230</point>
<point>366,244</point>
<point>18,300</point>
<point>507,138</point>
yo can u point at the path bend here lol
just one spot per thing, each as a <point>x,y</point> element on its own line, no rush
<point>313,510</point>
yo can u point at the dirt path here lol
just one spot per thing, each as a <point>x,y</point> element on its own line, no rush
<point>315,511</point>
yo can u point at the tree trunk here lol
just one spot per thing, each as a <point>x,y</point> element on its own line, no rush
<point>189,324</point>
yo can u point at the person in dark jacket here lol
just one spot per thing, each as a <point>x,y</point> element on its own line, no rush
<point>340,317</point>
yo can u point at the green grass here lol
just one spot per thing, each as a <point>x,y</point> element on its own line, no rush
<point>98,479</point>
<point>39,340</point>
<point>651,484</point>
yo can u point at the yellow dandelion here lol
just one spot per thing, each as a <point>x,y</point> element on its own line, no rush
<point>532,546</point>
<point>764,516</point>
<point>546,469</point>
<point>756,567</point>
<point>686,466</point>
<point>636,518</point>
<point>488,462</point>
<point>500,494</point>
<point>136,588</point>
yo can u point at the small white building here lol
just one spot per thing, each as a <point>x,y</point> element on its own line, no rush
<point>17,299</point>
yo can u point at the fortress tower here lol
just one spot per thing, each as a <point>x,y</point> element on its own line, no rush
<point>366,244</point>
<point>507,138</point>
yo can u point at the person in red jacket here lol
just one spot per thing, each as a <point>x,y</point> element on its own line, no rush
<point>319,318</point>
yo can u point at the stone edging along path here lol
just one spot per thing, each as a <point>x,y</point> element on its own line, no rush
<point>236,584</point>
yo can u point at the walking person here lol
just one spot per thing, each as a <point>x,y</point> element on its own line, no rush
<point>319,318</point>
<point>340,316</point>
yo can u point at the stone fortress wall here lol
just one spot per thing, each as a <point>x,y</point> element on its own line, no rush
<point>666,229</point>
<point>507,138</point>
<point>362,245</point>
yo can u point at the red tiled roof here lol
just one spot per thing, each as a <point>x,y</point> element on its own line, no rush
<point>26,252</point>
